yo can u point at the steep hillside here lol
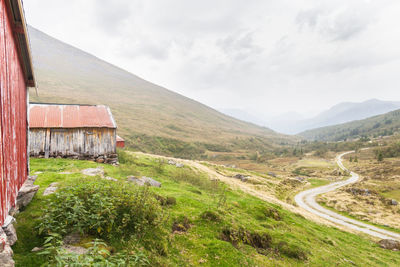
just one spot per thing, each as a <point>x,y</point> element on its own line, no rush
<point>385,124</point>
<point>340,113</point>
<point>147,114</point>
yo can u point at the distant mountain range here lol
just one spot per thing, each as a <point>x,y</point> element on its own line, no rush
<point>294,123</point>
<point>146,113</point>
<point>380,125</point>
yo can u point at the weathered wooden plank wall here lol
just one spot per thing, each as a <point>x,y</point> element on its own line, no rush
<point>72,141</point>
<point>13,110</point>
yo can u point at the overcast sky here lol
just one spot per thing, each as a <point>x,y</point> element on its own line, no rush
<point>266,57</point>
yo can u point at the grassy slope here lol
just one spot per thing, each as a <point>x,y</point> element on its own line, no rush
<point>375,126</point>
<point>325,246</point>
<point>142,110</point>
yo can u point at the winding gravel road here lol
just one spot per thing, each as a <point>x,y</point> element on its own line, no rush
<point>306,200</point>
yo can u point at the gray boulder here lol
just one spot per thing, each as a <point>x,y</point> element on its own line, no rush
<point>75,249</point>
<point>144,180</point>
<point>9,230</point>
<point>393,202</point>
<point>26,193</point>
<point>36,249</point>
<point>6,253</point>
<point>50,189</point>
<point>171,162</point>
<point>151,181</point>
<point>72,238</point>
<point>271,174</point>
<point>241,177</point>
<point>110,179</point>
<point>135,180</point>
<point>93,171</point>
<point>389,244</point>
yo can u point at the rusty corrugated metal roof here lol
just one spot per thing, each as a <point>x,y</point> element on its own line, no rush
<point>120,139</point>
<point>70,116</point>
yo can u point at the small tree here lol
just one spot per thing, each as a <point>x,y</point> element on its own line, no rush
<point>380,156</point>
<point>351,159</point>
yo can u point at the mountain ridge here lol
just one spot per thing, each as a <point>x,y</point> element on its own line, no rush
<point>143,110</point>
<point>337,114</point>
<point>379,125</point>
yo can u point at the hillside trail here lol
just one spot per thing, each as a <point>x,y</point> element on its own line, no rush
<point>306,200</point>
<point>308,213</point>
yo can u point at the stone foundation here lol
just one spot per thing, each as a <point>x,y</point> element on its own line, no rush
<point>107,158</point>
<point>8,235</point>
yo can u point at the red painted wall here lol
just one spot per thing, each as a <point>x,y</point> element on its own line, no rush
<point>121,144</point>
<point>13,114</point>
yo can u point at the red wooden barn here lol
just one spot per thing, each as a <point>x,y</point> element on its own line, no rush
<point>16,74</point>
<point>120,142</point>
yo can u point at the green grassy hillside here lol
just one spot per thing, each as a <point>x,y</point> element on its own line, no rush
<point>381,125</point>
<point>149,117</point>
<point>190,221</point>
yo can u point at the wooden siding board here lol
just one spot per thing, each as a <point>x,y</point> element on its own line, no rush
<point>13,108</point>
<point>72,142</point>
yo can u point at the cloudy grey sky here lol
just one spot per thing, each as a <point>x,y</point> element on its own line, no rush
<point>263,56</point>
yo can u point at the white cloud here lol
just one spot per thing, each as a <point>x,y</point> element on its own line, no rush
<point>263,56</point>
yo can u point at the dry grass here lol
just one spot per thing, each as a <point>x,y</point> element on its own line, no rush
<point>381,179</point>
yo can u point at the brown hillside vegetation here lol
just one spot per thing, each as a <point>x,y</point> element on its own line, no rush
<point>142,109</point>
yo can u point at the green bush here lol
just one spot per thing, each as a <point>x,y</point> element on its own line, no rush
<point>102,209</point>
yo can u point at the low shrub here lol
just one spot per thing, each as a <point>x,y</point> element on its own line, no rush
<point>272,213</point>
<point>181,224</point>
<point>97,255</point>
<point>124,157</point>
<point>292,251</point>
<point>102,209</point>
<point>240,235</point>
<point>166,201</point>
<point>211,216</point>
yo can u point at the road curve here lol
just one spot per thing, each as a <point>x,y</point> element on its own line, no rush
<point>306,200</point>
